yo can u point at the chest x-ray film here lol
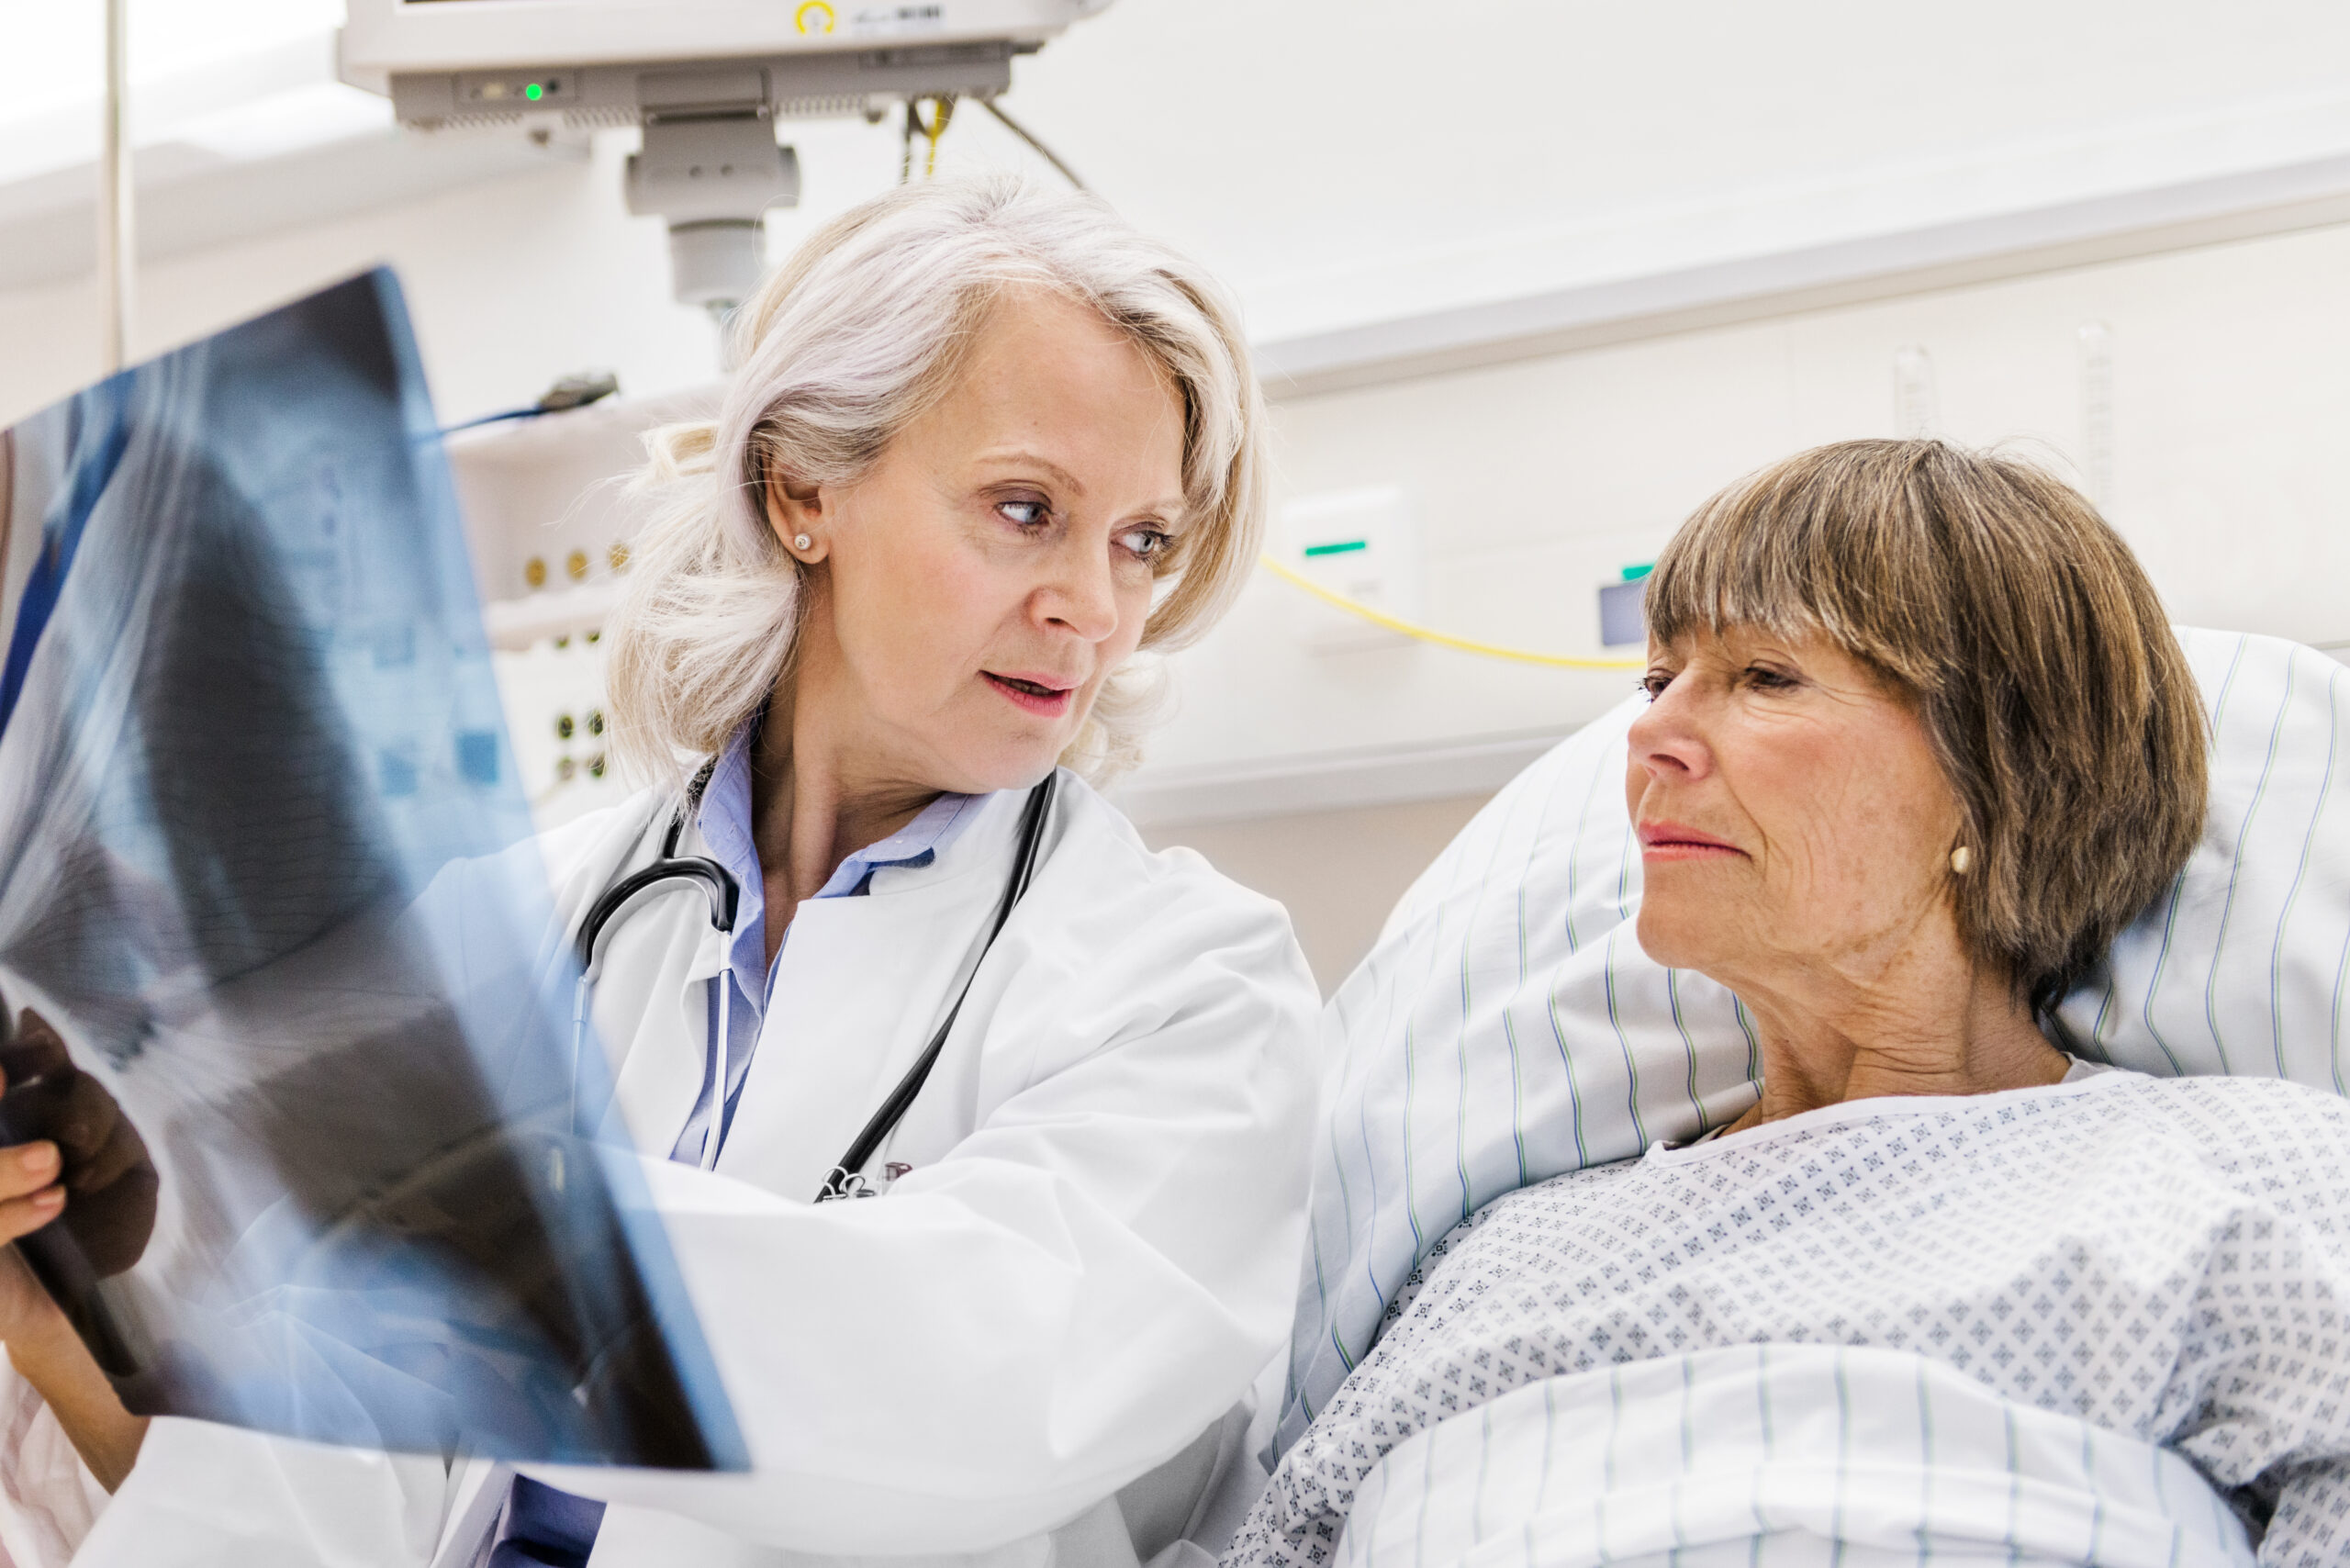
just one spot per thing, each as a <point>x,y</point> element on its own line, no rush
<point>272,924</point>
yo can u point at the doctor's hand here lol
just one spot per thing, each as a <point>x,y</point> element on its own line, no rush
<point>81,1166</point>
<point>69,1120</point>
<point>31,1196</point>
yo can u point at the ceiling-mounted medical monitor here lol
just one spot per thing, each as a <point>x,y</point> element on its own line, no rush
<point>707,79</point>
<point>457,61</point>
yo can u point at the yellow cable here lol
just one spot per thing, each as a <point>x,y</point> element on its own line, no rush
<point>942,110</point>
<point>1441,639</point>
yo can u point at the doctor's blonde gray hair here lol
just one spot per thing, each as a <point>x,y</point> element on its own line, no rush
<point>864,329</point>
<point>1992,597</point>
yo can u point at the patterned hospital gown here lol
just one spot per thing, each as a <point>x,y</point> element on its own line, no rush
<point>2165,1259</point>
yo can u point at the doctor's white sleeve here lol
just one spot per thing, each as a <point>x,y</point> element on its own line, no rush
<point>48,1497</point>
<point>1066,1300</point>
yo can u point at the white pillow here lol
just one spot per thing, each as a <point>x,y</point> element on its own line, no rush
<point>1506,1027</point>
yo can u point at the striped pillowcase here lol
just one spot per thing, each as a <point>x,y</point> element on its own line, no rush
<point>2241,969</point>
<point>1507,1029</point>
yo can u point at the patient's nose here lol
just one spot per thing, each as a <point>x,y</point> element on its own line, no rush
<point>1667,741</point>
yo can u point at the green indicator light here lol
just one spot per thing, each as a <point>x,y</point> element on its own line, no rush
<point>534,91</point>
<point>1345,548</point>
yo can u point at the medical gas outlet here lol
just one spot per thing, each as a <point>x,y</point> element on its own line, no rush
<point>1362,544</point>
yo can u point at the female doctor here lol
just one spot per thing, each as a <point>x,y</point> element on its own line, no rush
<point>986,444</point>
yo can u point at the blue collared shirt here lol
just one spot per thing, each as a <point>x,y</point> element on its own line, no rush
<point>726,823</point>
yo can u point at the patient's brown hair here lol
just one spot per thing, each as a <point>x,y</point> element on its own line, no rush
<point>1997,601</point>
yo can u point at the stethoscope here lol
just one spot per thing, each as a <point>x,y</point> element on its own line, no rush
<point>718,884</point>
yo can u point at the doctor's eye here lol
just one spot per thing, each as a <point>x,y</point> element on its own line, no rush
<point>1024,514</point>
<point>1147,544</point>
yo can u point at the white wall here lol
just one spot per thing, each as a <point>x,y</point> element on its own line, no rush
<point>1537,481</point>
<point>1338,872</point>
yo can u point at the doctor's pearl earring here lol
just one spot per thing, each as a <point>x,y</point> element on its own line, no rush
<point>1959,859</point>
<point>802,541</point>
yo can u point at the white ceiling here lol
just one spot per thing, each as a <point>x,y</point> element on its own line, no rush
<point>1345,161</point>
<point>239,124</point>
<point>55,57</point>
<point>1350,162</point>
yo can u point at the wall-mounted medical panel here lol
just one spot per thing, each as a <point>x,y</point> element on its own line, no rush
<point>551,513</point>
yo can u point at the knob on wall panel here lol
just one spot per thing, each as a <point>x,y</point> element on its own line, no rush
<point>1915,410</point>
<point>2096,340</point>
<point>552,691</point>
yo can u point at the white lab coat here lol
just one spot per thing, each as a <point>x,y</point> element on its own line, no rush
<point>1093,1254</point>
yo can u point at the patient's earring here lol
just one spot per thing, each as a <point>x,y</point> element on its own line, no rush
<point>801,542</point>
<point>1959,859</point>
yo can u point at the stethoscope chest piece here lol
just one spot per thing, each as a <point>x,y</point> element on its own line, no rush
<point>847,1179</point>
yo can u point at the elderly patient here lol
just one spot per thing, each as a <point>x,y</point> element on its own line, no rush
<point>1919,744</point>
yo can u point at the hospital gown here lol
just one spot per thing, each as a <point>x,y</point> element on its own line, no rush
<point>2165,1261</point>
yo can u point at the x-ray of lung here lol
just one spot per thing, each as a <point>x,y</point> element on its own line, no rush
<point>279,959</point>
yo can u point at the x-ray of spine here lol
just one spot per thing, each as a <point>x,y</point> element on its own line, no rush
<point>266,872</point>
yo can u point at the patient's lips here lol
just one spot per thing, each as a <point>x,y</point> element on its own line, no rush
<point>1671,841</point>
